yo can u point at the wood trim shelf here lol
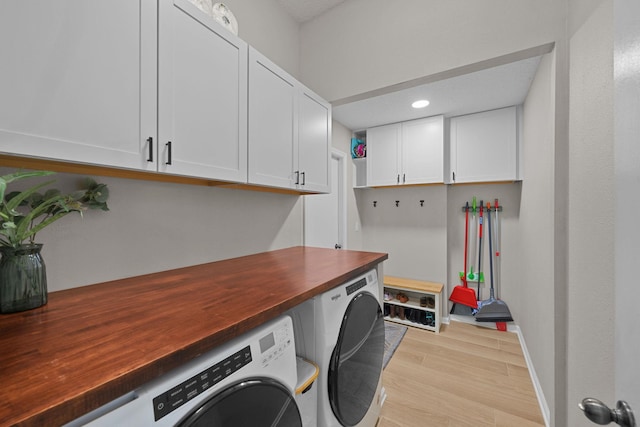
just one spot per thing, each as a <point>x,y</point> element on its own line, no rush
<point>34,163</point>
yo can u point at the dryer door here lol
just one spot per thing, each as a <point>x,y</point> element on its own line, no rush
<point>356,362</point>
<point>254,402</point>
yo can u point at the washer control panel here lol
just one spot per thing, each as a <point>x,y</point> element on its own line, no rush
<point>274,344</point>
<point>174,398</point>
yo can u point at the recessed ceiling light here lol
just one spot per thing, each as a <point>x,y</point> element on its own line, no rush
<point>420,104</point>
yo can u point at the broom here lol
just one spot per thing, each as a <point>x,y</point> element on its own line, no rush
<point>492,310</point>
<point>463,294</point>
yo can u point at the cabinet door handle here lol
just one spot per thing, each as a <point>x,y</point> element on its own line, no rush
<point>168,144</point>
<point>454,176</point>
<point>297,177</point>
<point>150,142</point>
<point>403,178</point>
<point>398,179</point>
<point>304,179</point>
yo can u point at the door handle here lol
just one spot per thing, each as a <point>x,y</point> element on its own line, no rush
<point>601,414</point>
<point>150,142</point>
<point>168,144</point>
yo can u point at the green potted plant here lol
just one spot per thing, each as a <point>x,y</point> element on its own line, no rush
<point>23,280</point>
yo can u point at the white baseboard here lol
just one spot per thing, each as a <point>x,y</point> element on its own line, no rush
<point>511,327</point>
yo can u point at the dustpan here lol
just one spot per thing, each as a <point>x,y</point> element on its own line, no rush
<point>463,294</point>
<point>492,310</point>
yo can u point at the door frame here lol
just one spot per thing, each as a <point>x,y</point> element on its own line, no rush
<point>341,187</point>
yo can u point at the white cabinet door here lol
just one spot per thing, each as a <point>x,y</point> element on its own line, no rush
<point>383,155</point>
<point>289,130</point>
<point>202,95</point>
<point>484,146</point>
<point>314,142</point>
<point>272,105</point>
<point>423,151</point>
<point>406,153</point>
<point>78,80</point>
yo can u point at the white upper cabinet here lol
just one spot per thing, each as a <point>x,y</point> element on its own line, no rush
<point>272,102</point>
<point>406,153</point>
<point>484,147</point>
<point>202,91</point>
<point>423,150</point>
<point>383,160</point>
<point>289,130</point>
<point>163,90</point>
<point>314,142</point>
<point>78,81</point>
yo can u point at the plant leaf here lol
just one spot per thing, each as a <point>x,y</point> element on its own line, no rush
<point>6,179</point>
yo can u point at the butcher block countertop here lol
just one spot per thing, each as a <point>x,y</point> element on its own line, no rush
<point>92,344</point>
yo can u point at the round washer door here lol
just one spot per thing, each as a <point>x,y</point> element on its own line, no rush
<point>254,402</point>
<point>356,362</point>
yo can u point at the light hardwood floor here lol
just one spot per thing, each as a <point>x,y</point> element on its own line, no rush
<point>465,376</point>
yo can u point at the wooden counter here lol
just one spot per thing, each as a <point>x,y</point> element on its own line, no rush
<point>92,344</point>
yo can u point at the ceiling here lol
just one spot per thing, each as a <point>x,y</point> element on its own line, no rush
<point>488,89</point>
<point>305,10</point>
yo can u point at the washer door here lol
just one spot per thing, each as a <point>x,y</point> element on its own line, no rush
<point>356,362</point>
<point>254,402</point>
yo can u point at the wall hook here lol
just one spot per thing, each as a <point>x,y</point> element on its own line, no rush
<point>397,203</point>
<point>421,203</point>
<point>375,203</point>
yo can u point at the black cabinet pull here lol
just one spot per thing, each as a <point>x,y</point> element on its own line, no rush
<point>403,178</point>
<point>150,142</point>
<point>454,176</point>
<point>297,177</point>
<point>303,178</point>
<point>168,144</point>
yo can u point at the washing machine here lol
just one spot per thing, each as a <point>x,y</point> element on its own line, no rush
<point>349,350</point>
<point>249,381</point>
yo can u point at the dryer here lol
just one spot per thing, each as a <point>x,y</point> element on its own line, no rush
<point>349,350</point>
<point>249,381</point>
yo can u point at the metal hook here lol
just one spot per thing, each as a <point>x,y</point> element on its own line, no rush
<point>421,203</point>
<point>397,203</point>
<point>375,203</point>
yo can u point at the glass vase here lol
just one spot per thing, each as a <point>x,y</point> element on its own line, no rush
<point>23,278</point>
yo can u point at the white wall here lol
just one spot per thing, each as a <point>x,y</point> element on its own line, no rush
<point>533,297</point>
<point>627,182</point>
<point>153,226</point>
<point>267,27</point>
<point>362,45</point>
<point>590,337</point>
